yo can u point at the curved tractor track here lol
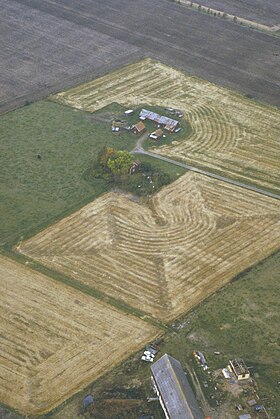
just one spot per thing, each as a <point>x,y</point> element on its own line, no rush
<point>163,258</point>
<point>230,134</point>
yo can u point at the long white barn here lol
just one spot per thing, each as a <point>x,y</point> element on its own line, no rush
<point>175,394</point>
<point>168,123</point>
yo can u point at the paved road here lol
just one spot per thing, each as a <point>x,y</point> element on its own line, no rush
<point>206,173</point>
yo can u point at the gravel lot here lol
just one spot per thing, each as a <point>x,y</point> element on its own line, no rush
<point>51,44</point>
<point>266,12</point>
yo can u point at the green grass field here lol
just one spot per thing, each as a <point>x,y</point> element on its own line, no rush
<point>35,192</point>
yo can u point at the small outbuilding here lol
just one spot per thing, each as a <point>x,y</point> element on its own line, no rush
<point>129,112</point>
<point>201,359</point>
<point>138,128</point>
<point>239,369</point>
<point>135,167</point>
<point>245,416</point>
<point>87,401</point>
<point>156,134</point>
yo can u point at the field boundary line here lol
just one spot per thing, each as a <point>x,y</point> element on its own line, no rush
<point>252,24</point>
<point>70,82</point>
<point>85,289</point>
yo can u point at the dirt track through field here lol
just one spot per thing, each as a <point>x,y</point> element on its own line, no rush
<point>165,258</point>
<point>56,340</point>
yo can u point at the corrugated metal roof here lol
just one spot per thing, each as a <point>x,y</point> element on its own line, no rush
<point>169,123</point>
<point>175,390</point>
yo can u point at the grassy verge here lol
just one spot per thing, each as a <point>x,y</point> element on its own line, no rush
<point>93,292</point>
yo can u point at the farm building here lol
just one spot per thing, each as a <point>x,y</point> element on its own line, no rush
<point>129,112</point>
<point>201,359</point>
<point>156,134</point>
<point>168,123</point>
<point>239,369</point>
<point>87,401</point>
<point>175,394</point>
<point>135,167</point>
<point>138,128</point>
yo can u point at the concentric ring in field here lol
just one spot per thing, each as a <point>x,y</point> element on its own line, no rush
<point>197,234</point>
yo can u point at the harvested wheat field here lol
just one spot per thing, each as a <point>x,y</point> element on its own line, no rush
<point>56,340</point>
<point>230,134</point>
<point>196,235</point>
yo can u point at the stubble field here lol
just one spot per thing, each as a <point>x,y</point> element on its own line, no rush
<point>56,340</point>
<point>229,133</point>
<point>166,257</point>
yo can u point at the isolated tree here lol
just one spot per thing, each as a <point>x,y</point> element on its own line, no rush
<point>120,162</point>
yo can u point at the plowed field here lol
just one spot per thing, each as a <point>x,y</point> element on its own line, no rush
<point>196,235</point>
<point>230,134</point>
<point>56,340</point>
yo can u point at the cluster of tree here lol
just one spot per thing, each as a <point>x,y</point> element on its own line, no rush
<point>114,165</point>
<point>114,162</point>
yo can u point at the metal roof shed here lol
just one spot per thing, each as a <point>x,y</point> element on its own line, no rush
<point>176,396</point>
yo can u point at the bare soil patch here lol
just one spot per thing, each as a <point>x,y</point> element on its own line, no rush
<point>56,340</point>
<point>194,237</point>
<point>49,52</point>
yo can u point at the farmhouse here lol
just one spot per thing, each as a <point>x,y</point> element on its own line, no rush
<point>239,369</point>
<point>168,123</point>
<point>138,128</point>
<point>175,394</point>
